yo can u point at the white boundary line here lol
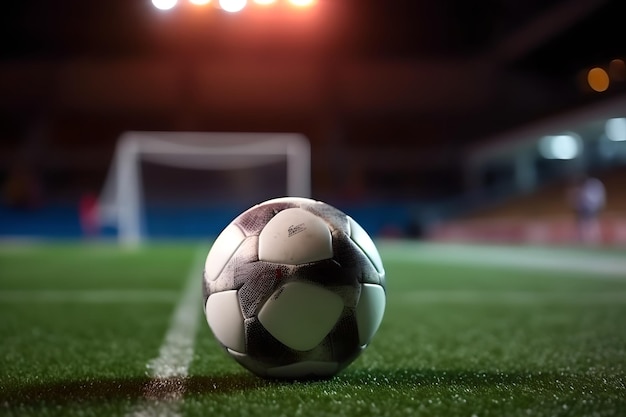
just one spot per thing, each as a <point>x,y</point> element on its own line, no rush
<point>509,297</point>
<point>577,263</point>
<point>168,371</point>
<point>94,296</point>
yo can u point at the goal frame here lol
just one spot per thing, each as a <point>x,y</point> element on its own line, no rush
<point>121,202</point>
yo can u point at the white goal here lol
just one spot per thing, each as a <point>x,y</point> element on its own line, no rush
<point>121,202</point>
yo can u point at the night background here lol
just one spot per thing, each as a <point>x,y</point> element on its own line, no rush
<point>392,95</point>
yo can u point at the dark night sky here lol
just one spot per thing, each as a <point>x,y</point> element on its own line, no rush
<point>553,41</point>
<point>373,28</point>
<point>434,75</point>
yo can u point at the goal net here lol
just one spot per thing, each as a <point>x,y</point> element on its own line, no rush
<point>179,167</point>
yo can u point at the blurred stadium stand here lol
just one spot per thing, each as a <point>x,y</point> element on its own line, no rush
<point>540,217</point>
<point>494,200</point>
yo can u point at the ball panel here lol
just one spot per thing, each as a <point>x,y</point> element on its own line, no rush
<point>225,319</point>
<point>222,250</point>
<point>263,280</point>
<point>295,236</point>
<point>253,220</point>
<point>327,273</point>
<point>291,201</point>
<point>265,348</point>
<point>300,315</point>
<point>336,219</point>
<point>353,260</point>
<point>241,266</point>
<point>343,340</point>
<point>365,242</point>
<point>370,311</point>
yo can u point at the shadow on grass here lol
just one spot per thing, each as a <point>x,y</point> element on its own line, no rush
<point>96,390</point>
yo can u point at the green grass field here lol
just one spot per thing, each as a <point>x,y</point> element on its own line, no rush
<point>468,331</point>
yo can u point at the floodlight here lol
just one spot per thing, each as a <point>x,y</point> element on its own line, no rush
<point>302,3</point>
<point>233,6</point>
<point>164,4</point>
<point>564,146</point>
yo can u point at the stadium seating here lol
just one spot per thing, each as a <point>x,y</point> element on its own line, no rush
<point>543,216</point>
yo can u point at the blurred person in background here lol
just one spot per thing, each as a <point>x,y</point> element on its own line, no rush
<point>88,215</point>
<point>588,197</point>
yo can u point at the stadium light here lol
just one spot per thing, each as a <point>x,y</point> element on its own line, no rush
<point>233,6</point>
<point>598,79</point>
<point>564,146</point>
<point>164,4</point>
<point>302,3</point>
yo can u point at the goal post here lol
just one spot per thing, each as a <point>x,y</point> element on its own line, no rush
<point>121,202</point>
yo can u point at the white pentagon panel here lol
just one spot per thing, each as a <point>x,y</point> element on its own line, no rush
<point>295,236</point>
<point>222,250</point>
<point>300,200</point>
<point>299,369</point>
<point>365,242</point>
<point>300,315</point>
<point>370,311</point>
<point>225,319</point>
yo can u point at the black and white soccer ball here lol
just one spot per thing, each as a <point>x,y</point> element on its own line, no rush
<point>294,288</point>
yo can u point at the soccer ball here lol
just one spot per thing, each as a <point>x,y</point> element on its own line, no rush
<point>294,289</point>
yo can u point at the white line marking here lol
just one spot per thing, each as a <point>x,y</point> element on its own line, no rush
<point>490,297</point>
<point>89,296</point>
<point>164,392</point>
<point>531,258</point>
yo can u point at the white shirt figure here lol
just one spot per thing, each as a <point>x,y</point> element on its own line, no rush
<point>589,200</point>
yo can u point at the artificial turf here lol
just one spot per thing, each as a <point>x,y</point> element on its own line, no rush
<point>458,338</point>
